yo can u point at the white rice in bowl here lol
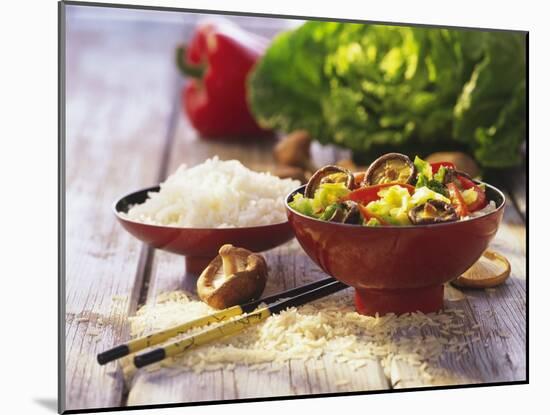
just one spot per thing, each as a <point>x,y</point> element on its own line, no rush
<point>216,194</point>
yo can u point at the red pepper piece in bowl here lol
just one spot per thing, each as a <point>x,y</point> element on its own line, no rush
<point>367,194</point>
<point>457,200</point>
<point>480,202</point>
<point>481,199</point>
<point>217,61</point>
<point>436,166</point>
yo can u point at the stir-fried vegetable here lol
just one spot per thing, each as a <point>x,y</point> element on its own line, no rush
<point>458,200</point>
<point>327,194</point>
<point>393,205</point>
<point>436,167</point>
<point>438,193</point>
<point>424,194</point>
<point>368,194</point>
<point>423,167</point>
<point>440,173</point>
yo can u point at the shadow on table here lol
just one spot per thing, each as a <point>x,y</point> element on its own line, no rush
<point>48,403</point>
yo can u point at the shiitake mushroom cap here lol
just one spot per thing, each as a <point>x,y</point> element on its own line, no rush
<point>380,162</point>
<point>347,212</point>
<point>324,172</point>
<point>353,214</point>
<point>338,215</point>
<point>443,212</point>
<point>452,173</point>
<point>294,150</point>
<point>245,282</point>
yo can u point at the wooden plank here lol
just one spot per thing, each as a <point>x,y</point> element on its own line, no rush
<point>499,355</point>
<point>120,82</point>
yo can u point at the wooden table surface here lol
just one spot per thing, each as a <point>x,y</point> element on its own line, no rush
<point>125,131</point>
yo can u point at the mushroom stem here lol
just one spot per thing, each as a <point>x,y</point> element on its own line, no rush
<point>229,262</point>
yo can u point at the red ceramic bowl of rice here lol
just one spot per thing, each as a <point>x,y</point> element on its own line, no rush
<point>199,209</point>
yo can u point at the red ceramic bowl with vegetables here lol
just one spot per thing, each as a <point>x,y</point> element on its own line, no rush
<point>396,233</point>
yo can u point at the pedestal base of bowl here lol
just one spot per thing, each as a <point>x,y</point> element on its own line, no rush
<point>425,299</point>
<point>194,265</point>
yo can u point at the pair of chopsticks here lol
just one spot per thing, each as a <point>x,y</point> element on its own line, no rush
<point>275,304</point>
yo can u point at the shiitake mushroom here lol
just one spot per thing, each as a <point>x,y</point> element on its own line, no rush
<point>353,214</point>
<point>346,212</point>
<point>390,168</point>
<point>235,276</point>
<point>329,174</point>
<point>337,215</point>
<point>433,211</point>
<point>451,174</point>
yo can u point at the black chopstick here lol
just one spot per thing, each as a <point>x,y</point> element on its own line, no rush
<point>252,305</point>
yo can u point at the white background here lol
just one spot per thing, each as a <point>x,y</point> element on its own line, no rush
<point>28,219</point>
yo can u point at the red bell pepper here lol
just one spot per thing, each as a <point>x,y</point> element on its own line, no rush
<point>217,61</point>
<point>365,195</point>
<point>465,183</point>
<point>457,200</point>
<point>481,199</point>
<point>480,202</point>
<point>436,166</point>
